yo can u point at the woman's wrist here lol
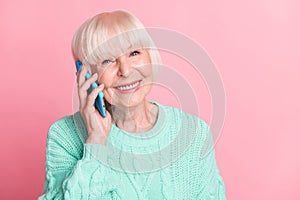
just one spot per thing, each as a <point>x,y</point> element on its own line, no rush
<point>96,139</point>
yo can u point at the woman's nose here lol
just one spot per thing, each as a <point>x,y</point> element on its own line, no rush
<point>124,66</point>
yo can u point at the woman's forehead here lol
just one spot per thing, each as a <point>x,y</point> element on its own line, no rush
<point>116,40</point>
<point>121,44</point>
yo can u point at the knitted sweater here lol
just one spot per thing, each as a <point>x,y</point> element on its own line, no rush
<point>171,161</point>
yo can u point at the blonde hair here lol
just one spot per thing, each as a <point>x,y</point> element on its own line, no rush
<point>110,34</point>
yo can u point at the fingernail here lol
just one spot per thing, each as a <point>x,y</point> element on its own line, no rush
<point>95,75</point>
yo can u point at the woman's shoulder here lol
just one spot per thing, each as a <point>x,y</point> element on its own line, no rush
<point>64,145</point>
<point>67,119</point>
<point>199,134</point>
<point>65,124</point>
<point>67,129</point>
<point>186,116</point>
<point>184,121</point>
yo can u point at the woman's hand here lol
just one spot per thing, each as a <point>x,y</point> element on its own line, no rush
<point>98,128</point>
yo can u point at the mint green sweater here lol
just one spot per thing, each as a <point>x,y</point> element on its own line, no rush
<point>171,161</point>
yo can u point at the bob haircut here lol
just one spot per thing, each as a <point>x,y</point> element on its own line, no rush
<point>102,37</point>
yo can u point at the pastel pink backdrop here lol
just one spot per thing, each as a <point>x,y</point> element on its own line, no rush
<point>255,45</point>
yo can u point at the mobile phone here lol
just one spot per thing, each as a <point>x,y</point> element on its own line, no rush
<point>99,102</point>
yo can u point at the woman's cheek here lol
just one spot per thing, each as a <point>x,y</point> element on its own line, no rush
<point>107,95</point>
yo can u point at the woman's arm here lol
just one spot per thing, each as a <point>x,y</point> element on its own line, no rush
<point>211,185</point>
<point>73,172</point>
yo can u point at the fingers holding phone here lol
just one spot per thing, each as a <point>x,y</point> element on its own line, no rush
<point>90,100</point>
<point>83,87</point>
<point>97,121</point>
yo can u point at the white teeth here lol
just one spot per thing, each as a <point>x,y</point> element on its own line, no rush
<point>128,87</point>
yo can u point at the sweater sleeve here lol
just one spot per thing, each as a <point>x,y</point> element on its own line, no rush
<point>72,170</point>
<point>212,186</point>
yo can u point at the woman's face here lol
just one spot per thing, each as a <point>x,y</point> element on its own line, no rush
<point>127,79</point>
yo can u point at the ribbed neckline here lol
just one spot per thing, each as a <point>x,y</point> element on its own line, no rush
<point>143,142</point>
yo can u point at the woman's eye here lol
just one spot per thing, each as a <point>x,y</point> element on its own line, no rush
<point>134,53</point>
<point>106,62</point>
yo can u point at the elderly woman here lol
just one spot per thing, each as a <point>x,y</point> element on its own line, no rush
<point>136,150</point>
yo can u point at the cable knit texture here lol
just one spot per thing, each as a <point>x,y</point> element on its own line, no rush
<point>174,160</point>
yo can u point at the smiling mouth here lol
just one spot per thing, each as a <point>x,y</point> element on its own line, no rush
<point>129,87</point>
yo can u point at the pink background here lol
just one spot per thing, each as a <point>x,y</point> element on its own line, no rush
<point>255,45</point>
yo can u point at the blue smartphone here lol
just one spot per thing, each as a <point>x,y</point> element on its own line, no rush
<point>99,102</point>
